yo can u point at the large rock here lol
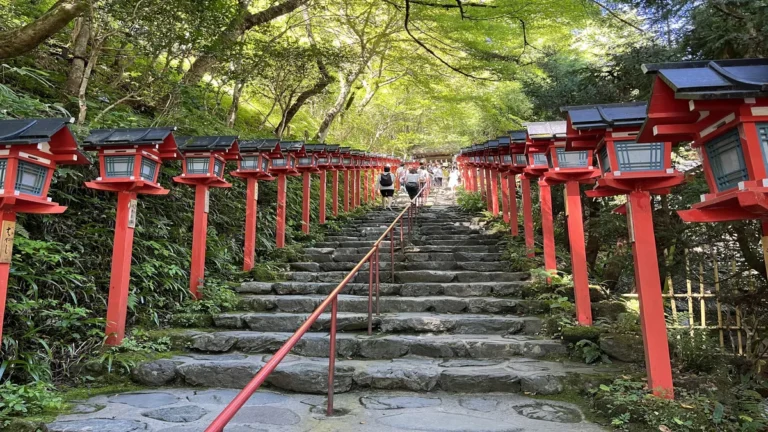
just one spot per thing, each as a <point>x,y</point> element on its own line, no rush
<point>213,342</point>
<point>623,347</point>
<point>479,380</point>
<point>400,375</point>
<point>311,377</point>
<point>155,373</point>
<point>182,414</point>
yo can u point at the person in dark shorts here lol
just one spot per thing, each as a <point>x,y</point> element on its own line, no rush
<point>412,183</point>
<point>386,185</point>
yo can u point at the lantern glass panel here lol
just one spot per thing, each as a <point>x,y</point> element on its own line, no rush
<point>264,164</point>
<point>520,159</point>
<point>507,159</point>
<point>3,167</point>
<point>279,163</point>
<point>726,159</point>
<point>249,163</point>
<point>640,157</point>
<point>762,134</point>
<point>347,161</point>
<point>322,161</point>
<point>539,159</point>
<point>218,168</point>
<point>335,161</point>
<point>30,178</point>
<point>572,159</point>
<point>605,162</point>
<point>305,161</point>
<point>198,165</point>
<point>119,166</point>
<point>148,169</point>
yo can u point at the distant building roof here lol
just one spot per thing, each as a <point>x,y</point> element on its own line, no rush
<point>717,79</point>
<point>604,116</point>
<point>544,130</point>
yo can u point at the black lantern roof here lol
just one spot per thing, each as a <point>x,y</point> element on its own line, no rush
<point>261,145</point>
<point>357,153</point>
<point>206,143</point>
<point>30,131</point>
<point>503,141</point>
<point>331,148</point>
<point>518,136</point>
<point>315,148</point>
<point>606,115</point>
<point>718,79</point>
<point>122,137</point>
<point>345,150</point>
<point>292,146</point>
<point>547,130</point>
<point>492,145</point>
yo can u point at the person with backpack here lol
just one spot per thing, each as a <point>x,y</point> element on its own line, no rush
<point>386,186</point>
<point>412,180</point>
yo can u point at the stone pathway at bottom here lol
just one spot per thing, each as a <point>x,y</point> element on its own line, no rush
<point>192,410</point>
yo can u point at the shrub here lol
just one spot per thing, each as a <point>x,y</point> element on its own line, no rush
<point>26,400</point>
<point>470,201</point>
<point>696,352</point>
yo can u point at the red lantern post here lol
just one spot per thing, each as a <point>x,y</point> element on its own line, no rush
<point>203,168</point>
<point>129,164</point>
<point>31,150</point>
<point>637,170</point>
<point>540,136</point>
<point>307,165</point>
<point>254,166</point>
<point>283,167</point>
<point>573,167</point>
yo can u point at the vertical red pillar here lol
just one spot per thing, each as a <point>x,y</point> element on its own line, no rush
<point>547,226</point>
<point>347,189</point>
<point>366,182</point>
<point>652,321</point>
<point>199,238</point>
<point>281,197</point>
<point>505,197</point>
<point>481,183</point>
<point>356,192</point>
<point>306,181</point>
<point>488,199</point>
<point>321,216</point>
<point>335,192</point>
<point>251,215</point>
<point>120,278</point>
<point>373,185</point>
<point>512,188</point>
<point>5,267</point>
<point>578,253</point>
<point>473,179</point>
<point>494,192</point>
<point>528,217</point>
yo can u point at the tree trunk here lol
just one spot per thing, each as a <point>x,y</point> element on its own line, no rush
<point>81,93</point>
<point>16,42</point>
<point>79,51</point>
<point>237,27</point>
<point>238,90</point>
<point>345,87</point>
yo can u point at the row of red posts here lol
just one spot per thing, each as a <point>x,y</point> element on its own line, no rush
<point>129,165</point>
<point>719,108</point>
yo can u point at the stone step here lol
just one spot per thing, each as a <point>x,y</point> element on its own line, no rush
<point>390,304</point>
<point>455,242</point>
<point>360,345</point>
<point>470,289</point>
<point>310,374</point>
<point>351,244</point>
<point>356,254</point>
<point>453,248</point>
<point>385,265</point>
<point>385,323</point>
<point>443,276</point>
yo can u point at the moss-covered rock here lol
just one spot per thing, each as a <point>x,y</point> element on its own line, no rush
<point>597,293</point>
<point>575,334</point>
<point>19,425</point>
<point>192,319</point>
<point>623,347</point>
<point>609,310</point>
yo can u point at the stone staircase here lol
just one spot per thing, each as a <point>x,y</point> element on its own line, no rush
<point>451,320</point>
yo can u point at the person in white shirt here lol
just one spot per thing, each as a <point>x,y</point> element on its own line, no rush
<point>454,178</point>
<point>412,183</point>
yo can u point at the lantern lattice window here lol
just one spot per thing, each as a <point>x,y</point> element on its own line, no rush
<point>762,134</point>
<point>3,168</point>
<point>119,166</point>
<point>30,178</point>
<point>218,167</point>
<point>727,160</point>
<point>250,163</point>
<point>540,159</point>
<point>148,169</point>
<point>605,161</point>
<point>640,157</point>
<point>572,159</point>
<point>198,165</point>
<point>520,159</point>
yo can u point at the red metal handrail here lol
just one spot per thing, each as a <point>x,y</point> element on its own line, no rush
<point>372,257</point>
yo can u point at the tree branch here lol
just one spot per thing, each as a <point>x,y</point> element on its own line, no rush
<point>615,15</point>
<point>432,53</point>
